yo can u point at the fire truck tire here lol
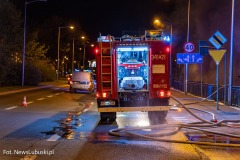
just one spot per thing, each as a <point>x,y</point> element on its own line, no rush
<point>157,117</point>
<point>108,116</point>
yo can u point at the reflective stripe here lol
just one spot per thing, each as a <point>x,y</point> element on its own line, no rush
<point>130,109</point>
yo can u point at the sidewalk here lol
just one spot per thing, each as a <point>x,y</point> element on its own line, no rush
<point>17,89</point>
<point>221,112</point>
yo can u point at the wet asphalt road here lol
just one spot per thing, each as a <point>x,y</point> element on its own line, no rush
<point>60,125</point>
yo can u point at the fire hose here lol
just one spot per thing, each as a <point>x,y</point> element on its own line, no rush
<point>175,128</point>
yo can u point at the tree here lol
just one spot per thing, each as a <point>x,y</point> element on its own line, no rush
<point>10,36</point>
<point>36,55</point>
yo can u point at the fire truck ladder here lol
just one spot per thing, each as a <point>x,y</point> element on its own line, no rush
<point>106,68</point>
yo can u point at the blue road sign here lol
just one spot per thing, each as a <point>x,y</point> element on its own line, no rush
<point>189,58</point>
<point>217,39</point>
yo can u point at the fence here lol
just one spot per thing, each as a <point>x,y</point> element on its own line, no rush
<point>208,91</point>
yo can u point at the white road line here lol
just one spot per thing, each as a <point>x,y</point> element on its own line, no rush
<point>39,99</point>
<point>30,102</point>
<point>50,96</point>
<point>181,119</point>
<point>54,137</point>
<point>57,94</point>
<point>9,108</point>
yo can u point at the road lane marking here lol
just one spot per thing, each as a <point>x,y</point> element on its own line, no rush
<point>181,119</point>
<point>30,102</point>
<point>57,94</point>
<point>50,96</point>
<point>9,108</point>
<point>39,99</point>
<point>54,137</point>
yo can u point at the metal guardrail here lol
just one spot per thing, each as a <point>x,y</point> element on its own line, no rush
<point>205,90</point>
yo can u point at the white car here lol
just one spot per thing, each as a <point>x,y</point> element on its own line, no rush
<point>82,81</point>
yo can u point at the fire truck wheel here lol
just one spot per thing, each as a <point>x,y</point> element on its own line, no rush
<point>157,117</point>
<point>108,116</point>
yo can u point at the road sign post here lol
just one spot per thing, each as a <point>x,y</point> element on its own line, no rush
<point>217,40</point>
<point>188,47</point>
<point>217,56</point>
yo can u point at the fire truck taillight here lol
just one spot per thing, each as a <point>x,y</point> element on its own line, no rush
<point>168,93</point>
<point>104,95</point>
<point>162,94</point>
<point>168,49</point>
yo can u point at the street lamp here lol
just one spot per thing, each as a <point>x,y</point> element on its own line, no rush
<point>84,45</point>
<point>73,56</point>
<point>158,23</point>
<point>59,33</point>
<point>231,56</point>
<point>186,65</point>
<point>24,36</point>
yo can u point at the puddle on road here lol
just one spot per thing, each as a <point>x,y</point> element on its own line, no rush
<point>90,136</point>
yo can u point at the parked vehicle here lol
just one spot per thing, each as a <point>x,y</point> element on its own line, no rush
<point>82,81</point>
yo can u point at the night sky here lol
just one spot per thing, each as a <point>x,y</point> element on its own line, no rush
<point>105,16</point>
<point>113,17</point>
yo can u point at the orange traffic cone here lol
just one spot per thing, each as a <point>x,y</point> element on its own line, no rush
<point>24,103</point>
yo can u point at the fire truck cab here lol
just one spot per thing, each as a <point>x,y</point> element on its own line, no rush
<point>132,74</point>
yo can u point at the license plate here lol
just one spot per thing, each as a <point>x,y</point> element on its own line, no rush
<point>107,103</point>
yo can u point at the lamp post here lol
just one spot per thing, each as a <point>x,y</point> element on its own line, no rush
<point>84,45</point>
<point>73,56</point>
<point>59,34</point>
<point>186,65</point>
<point>24,36</point>
<point>231,56</point>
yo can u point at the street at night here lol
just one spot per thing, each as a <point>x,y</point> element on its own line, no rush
<point>126,80</point>
<point>70,128</point>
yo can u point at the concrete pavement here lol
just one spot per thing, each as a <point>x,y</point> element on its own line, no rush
<point>221,112</point>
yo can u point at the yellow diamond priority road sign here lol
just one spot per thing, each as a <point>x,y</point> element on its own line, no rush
<point>217,54</point>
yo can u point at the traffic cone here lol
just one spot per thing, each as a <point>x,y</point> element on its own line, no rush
<point>24,103</point>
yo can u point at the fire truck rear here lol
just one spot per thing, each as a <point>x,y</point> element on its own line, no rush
<point>133,75</point>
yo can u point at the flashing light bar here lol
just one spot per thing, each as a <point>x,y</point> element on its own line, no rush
<point>104,39</point>
<point>132,49</point>
<point>166,38</point>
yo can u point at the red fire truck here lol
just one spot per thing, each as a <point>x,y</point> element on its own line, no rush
<point>132,74</point>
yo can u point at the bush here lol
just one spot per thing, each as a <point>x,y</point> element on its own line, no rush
<point>48,72</point>
<point>32,75</point>
<point>13,75</point>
